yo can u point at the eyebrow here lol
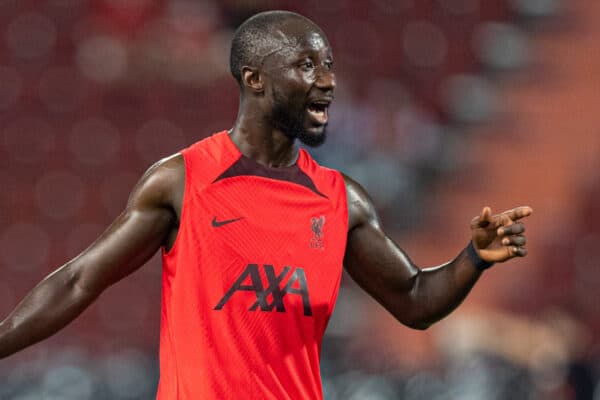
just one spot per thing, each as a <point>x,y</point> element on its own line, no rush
<point>308,53</point>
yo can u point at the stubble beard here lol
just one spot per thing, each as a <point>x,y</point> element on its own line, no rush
<point>292,123</point>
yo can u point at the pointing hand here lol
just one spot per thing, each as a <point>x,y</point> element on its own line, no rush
<point>499,237</point>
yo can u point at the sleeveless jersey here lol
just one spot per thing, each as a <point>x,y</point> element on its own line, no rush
<point>251,280</point>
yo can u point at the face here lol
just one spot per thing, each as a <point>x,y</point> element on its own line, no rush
<point>299,83</point>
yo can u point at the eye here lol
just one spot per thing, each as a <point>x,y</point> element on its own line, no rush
<point>307,65</point>
<point>328,65</point>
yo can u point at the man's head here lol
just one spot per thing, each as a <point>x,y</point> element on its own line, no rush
<point>282,62</point>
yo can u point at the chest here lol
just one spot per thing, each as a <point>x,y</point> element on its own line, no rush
<point>265,245</point>
<point>256,217</point>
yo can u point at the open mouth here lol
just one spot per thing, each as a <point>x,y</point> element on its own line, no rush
<point>318,112</point>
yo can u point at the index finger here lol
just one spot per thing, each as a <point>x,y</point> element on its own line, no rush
<point>518,212</point>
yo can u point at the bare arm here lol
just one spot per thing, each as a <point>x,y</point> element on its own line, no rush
<point>419,297</point>
<point>127,244</point>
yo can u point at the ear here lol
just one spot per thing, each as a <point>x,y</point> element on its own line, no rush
<point>252,79</point>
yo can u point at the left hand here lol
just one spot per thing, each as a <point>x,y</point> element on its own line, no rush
<point>498,238</point>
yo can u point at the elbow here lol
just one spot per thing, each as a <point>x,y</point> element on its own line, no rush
<point>420,326</point>
<point>415,323</point>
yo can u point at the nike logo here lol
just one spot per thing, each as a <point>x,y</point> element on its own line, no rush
<point>217,224</point>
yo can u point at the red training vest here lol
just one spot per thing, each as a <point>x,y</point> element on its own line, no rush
<point>251,280</point>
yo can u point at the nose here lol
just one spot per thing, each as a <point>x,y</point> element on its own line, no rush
<point>325,80</point>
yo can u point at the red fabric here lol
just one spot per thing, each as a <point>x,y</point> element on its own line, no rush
<point>234,351</point>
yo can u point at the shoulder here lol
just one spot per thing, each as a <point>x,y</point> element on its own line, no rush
<point>214,147</point>
<point>327,181</point>
<point>161,184</point>
<point>360,206</point>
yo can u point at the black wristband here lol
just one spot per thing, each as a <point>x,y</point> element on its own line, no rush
<point>477,261</point>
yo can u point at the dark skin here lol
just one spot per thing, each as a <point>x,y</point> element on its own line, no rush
<point>300,69</point>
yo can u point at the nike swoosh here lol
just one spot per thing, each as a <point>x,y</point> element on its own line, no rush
<point>217,224</point>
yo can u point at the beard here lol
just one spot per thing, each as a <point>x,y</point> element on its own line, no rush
<point>292,122</point>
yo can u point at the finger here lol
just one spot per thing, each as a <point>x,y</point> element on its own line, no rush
<point>503,221</point>
<point>511,229</point>
<point>519,212</point>
<point>504,253</point>
<point>518,251</point>
<point>484,218</point>
<point>516,240</point>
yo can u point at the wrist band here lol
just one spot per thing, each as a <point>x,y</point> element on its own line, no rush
<point>479,263</point>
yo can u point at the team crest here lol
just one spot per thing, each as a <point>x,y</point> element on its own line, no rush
<point>316,224</point>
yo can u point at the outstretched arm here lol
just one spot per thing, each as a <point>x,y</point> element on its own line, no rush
<point>127,244</point>
<point>419,297</point>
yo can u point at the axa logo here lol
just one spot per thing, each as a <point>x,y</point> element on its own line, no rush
<point>271,297</point>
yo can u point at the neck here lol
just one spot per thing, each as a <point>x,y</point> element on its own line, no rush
<point>256,138</point>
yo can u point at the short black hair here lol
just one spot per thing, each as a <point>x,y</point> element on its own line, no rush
<point>253,37</point>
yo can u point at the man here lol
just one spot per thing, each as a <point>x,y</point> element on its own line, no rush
<point>254,234</point>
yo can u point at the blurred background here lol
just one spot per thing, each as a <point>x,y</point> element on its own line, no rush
<point>442,107</point>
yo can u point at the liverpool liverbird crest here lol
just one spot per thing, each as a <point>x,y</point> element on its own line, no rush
<point>316,224</point>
